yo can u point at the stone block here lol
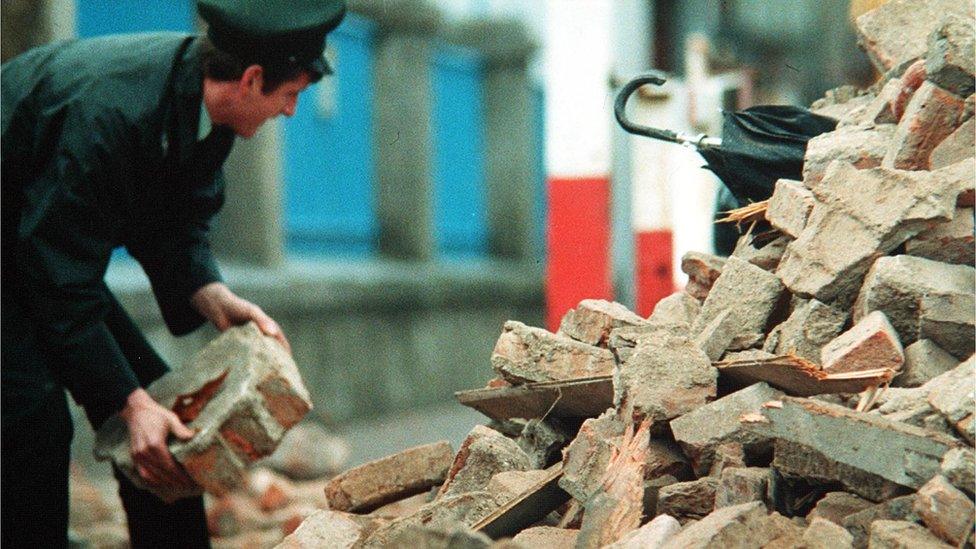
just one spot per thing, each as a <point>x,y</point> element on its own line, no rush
<point>809,327</point>
<point>859,146</point>
<point>870,344</point>
<point>664,378</point>
<point>677,307</point>
<point>702,270</point>
<point>859,216</point>
<point>924,360</point>
<point>896,33</point>
<point>545,537</point>
<point>958,146</point>
<point>241,393</point>
<point>735,526</point>
<point>946,511</point>
<point>953,397</point>
<point>789,207</point>
<point>483,454</point>
<point>950,62</point>
<point>653,535</point>
<point>388,479</point>
<point>900,534</point>
<point>526,354</point>
<point>593,319</point>
<point>898,285</point>
<point>742,485</point>
<point>837,506</point>
<point>586,458</point>
<point>701,431</point>
<point>930,116</point>
<point>949,242</point>
<point>750,294</point>
<point>958,467</point>
<point>824,534</point>
<point>686,501</point>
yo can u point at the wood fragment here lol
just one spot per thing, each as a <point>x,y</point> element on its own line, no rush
<point>746,214</point>
<point>584,397</point>
<point>800,377</point>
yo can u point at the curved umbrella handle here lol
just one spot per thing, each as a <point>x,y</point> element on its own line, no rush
<point>620,108</point>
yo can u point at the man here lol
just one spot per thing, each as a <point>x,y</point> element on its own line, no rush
<point>119,141</point>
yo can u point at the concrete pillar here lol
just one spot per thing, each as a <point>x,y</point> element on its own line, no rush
<point>403,131</point>
<point>28,23</point>
<point>510,155</point>
<point>249,228</point>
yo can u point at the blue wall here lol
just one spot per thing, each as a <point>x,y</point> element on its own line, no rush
<point>97,17</point>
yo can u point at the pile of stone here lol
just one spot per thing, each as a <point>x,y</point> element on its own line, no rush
<point>815,389</point>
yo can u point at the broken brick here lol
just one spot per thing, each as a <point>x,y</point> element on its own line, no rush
<point>824,534</point>
<point>959,467</point>
<point>860,147</point>
<point>483,454</point>
<point>742,485</point>
<point>789,207</point>
<point>593,319</point>
<point>954,397</point>
<point>702,270</point>
<point>690,500</point>
<point>924,360</point>
<point>837,506</point>
<point>946,511</point>
<point>654,534</point>
<point>899,534</point>
<point>931,115</point>
<point>950,321</point>
<point>859,524</point>
<point>950,242</point>
<point>896,33</point>
<point>958,146</point>
<point>809,327</point>
<point>677,307</point>
<point>735,526</point>
<point>545,537</point>
<point>950,61</point>
<point>586,458</point>
<point>525,354</point>
<point>328,528</point>
<point>870,344</point>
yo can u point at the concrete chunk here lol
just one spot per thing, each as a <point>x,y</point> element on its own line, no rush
<point>924,360</point>
<point>525,354</point>
<point>949,321</point>
<point>931,115</point>
<point>859,524</point>
<point>764,254</point>
<point>544,537</point>
<point>623,341</point>
<point>957,147</point>
<point>742,485</point>
<point>677,307</point>
<point>456,537</point>
<point>652,535</point>
<point>953,397</point>
<point>837,506</point>
<point>871,344</point>
<point>750,294</point>
<point>450,512</point>
<point>809,327</point>
<point>687,501</point>
<point>327,528</point>
<point>959,467</point>
<point>898,285</point>
<point>949,242</point>
<point>896,33</point>
<point>511,484</point>
<point>899,534</point>
<point>586,458</point>
<point>373,484</point>
<point>950,62</point>
<point>593,319</point>
<point>241,393</point>
<point>702,430</point>
<point>789,206</point>
<point>859,146</point>
<point>946,511</point>
<point>824,534</point>
<point>735,526</point>
<point>483,454</point>
<point>818,466</point>
<point>702,270</point>
<point>663,379</point>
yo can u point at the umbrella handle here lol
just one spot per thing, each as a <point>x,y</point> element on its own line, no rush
<point>620,112</point>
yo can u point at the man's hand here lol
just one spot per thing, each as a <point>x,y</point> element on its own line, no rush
<point>149,426</point>
<point>224,309</point>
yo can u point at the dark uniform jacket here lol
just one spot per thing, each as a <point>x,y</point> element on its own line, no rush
<point>99,150</point>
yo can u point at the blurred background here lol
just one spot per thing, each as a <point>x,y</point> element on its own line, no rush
<point>462,168</point>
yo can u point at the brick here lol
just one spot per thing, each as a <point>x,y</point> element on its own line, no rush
<point>859,523</point>
<point>663,379</point>
<point>958,467</point>
<point>949,242</point>
<point>702,430</point>
<point>837,506</point>
<point>924,360</point>
<point>735,526</point>
<point>545,537</point>
<point>690,500</point>
<point>896,33</point>
<point>859,216</point>
<point>677,307</point>
<point>831,442</point>
<point>511,484</point>
<point>950,321</point>
<point>525,354</point>
<point>388,479</point>
<point>946,511</point>
<point>750,294</point>
<point>446,513</point>
<point>809,327</point>
<point>950,62</point>
<point>899,534</point>
<point>952,395</point>
<point>838,102</point>
<point>870,344</point>
<point>824,534</point>
<point>930,116</point>
<point>859,146</point>
<point>593,319</point>
<point>898,285</point>
<point>586,458</point>
<point>327,528</point>
<point>653,535</point>
<point>742,485</point>
<point>789,207</point>
<point>702,270</point>
<point>449,537</point>
<point>483,454</point>
<point>878,110</point>
<point>241,393</point>
<point>958,146</point>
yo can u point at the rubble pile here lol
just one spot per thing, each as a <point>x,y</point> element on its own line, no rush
<point>815,389</point>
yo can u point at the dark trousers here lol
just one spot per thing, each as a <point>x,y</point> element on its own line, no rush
<point>36,447</point>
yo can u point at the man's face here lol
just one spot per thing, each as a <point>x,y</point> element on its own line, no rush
<point>256,106</point>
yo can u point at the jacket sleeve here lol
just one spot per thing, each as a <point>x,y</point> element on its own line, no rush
<point>178,259</point>
<point>63,249</point>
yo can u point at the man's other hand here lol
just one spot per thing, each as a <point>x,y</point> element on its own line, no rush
<point>149,427</point>
<point>224,309</point>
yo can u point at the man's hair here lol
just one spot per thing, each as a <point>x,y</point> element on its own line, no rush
<point>220,65</point>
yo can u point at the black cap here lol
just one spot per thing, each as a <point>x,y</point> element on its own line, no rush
<point>279,33</point>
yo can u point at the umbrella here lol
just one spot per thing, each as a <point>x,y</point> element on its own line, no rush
<point>758,145</point>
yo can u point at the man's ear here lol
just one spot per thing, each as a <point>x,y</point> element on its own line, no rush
<point>252,80</point>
